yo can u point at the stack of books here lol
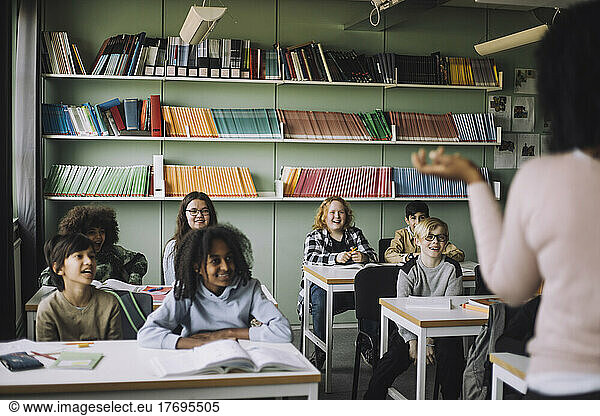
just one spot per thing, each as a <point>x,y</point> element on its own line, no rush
<point>213,180</point>
<point>348,182</point>
<point>310,61</point>
<point>225,123</point>
<point>100,181</point>
<point>411,183</point>
<point>443,127</point>
<point>481,305</point>
<point>59,55</point>
<point>328,125</point>
<point>479,72</point>
<point>114,117</point>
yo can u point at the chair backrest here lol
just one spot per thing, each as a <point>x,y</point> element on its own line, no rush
<point>384,243</point>
<point>135,308</point>
<point>370,284</point>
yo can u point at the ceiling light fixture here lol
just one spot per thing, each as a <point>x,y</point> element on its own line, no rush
<point>200,21</point>
<point>514,40</point>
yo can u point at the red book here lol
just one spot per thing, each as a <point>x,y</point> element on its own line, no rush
<point>117,116</point>
<point>155,116</point>
<point>158,293</point>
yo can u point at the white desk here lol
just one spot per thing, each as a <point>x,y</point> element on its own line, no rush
<point>510,369</point>
<point>429,323</point>
<point>334,279</point>
<point>124,374</point>
<point>32,305</point>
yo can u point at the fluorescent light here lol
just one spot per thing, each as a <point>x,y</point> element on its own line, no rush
<point>524,37</point>
<point>199,22</point>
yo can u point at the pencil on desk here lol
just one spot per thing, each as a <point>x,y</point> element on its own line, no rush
<point>45,355</point>
<point>80,344</point>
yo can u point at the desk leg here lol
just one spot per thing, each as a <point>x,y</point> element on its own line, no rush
<point>313,391</point>
<point>421,361</point>
<point>31,325</point>
<point>305,317</point>
<point>383,335</point>
<point>497,384</point>
<point>328,338</point>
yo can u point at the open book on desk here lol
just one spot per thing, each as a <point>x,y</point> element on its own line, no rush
<point>158,292</point>
<point>428,302</point>
<point>227,355</point>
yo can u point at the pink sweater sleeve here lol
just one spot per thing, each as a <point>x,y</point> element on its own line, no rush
<point>508,264</point>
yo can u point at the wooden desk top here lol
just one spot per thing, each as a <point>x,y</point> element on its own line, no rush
<point>344,274</point>
<point>435,318</point>
<point>125,366</point>
<point>32,304</point>
<point>335,274</point>
<point>513,363</point>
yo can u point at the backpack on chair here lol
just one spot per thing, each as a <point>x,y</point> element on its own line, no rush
<point>135,308</point>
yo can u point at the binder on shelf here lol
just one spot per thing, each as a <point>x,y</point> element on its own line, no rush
<point>130,107</point>
<point>158,188</point>
<point>214,58</point>
<point>155,117</point>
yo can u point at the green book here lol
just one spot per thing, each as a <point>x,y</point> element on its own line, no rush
<point>89,175</point>
<point>72,360</point>
<point>93,186</point>
<point>126,190</point>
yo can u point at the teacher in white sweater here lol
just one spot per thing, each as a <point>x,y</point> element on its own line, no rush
<point>551,227</point>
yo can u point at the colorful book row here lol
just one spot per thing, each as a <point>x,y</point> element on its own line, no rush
<point>443,127</point>
<point>369,182</point>
<point>329,125</point>
<point>105,181</point>
<point>350,182</point>
<point>215,181</point>
<point>138,117</point>
<point>411,183</point>
<point>225,123</point>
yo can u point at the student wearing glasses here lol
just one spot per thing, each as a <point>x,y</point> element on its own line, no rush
<point>195,213</point>
<point>431,273</point>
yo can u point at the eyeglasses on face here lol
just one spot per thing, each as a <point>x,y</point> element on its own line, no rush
<point>441,238</point>
<point>195,212</point>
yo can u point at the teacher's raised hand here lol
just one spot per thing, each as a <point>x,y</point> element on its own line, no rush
<point>446,166</point>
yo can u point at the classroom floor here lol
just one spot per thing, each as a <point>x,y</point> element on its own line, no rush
<point>343,362</point>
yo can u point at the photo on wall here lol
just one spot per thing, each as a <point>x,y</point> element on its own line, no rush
<point>505,155</point>
<point>527,148</point>
<point>525,81</point>
<point>500,107</point>
<point>523,114</point>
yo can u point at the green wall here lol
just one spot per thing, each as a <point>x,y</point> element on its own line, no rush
<point>276,229</point>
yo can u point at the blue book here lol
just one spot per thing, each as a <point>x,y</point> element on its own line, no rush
<point>108,104</point>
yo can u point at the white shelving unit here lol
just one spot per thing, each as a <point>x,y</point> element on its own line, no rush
<point>276,81</point>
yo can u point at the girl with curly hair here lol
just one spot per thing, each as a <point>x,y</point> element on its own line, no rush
<point>215,295</point>
<point>196,211</point>
<point>99,224</point>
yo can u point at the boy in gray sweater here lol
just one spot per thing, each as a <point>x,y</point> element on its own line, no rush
<point>429,274</point>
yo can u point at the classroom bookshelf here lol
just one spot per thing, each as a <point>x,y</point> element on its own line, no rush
<point>276,225</point>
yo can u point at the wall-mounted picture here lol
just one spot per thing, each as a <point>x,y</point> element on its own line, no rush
<point>523,114</point>
<point>500,107</point>
<point>527,148</point>
<point>525,81</point>
<point>505,155</point>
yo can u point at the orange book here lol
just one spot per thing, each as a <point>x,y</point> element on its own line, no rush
<point>481,305</point>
